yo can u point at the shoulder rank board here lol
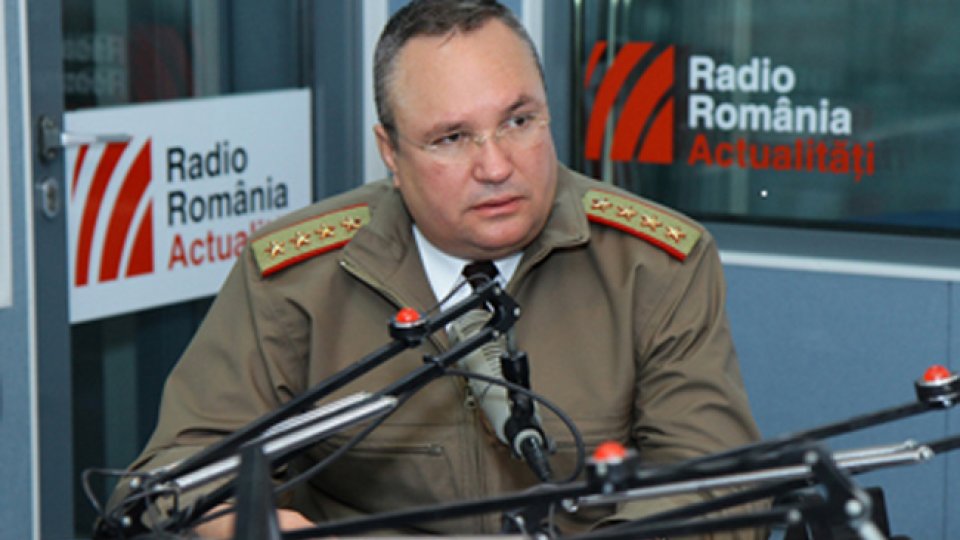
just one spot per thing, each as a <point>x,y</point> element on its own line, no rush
<point>668,231</point>
<point>308,238</point>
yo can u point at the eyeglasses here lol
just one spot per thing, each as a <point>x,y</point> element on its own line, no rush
<point>519,132</point>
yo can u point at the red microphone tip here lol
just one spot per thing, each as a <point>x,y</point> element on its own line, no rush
<point>407,316</point>
<point>610,451</point>
<point>936,373</point>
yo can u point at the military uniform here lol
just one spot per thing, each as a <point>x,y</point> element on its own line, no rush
<point>622,317</point>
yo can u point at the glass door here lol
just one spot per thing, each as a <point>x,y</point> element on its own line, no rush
<point>154,51</point>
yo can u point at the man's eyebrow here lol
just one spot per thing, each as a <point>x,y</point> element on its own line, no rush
<point>445,127</point>
<point>520,103</point>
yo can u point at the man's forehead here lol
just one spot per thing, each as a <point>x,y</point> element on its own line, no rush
<point>488,64</point>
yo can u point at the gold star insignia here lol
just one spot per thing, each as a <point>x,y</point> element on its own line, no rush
<point>276,248</point>
<point>326,231</point>
<point>300,239</point>
<point>626,212</point>
<point>650,222</point>
<point>675,234</point>
<point>351,224</point>
<point>670,232</point>
<point>602,204</point>
<point>308,238</point>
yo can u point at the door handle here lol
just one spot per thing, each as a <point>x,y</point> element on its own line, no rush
<point>68,139</point>
<point>51,138</point>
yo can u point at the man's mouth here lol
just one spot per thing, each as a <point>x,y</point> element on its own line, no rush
<point>498,205</point>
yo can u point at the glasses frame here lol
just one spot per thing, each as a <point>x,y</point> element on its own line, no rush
<point>467,152</point>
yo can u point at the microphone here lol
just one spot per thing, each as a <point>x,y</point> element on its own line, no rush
<point>516,426</point>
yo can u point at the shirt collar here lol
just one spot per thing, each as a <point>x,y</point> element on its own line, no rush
<point>444,270</point>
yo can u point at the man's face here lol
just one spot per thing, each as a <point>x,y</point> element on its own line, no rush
<point>491,199</point>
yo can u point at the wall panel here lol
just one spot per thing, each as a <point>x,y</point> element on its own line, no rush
<point>819,347</point>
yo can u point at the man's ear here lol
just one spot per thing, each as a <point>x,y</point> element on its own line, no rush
<point>388,153</point>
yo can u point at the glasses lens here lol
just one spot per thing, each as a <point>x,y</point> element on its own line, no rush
<point>511,136</point>
<point>526,134</point>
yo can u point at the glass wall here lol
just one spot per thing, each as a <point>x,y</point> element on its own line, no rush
<point>118,53</point>
<point>820,113</point>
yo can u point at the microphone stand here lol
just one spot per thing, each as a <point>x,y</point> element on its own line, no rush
<point>256,509</point>
<point>610,482</point>
<point>406,333</point>
<point>936,390</point>
<point>931,393</point>
<point>844,502</point>
<point>764,470</point>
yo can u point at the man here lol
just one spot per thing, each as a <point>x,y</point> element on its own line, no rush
<point>623,316</point>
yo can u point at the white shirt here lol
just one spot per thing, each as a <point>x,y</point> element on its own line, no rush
<point>444,270</point>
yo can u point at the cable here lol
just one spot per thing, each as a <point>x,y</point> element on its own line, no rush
<point>555,409</point>
<point>114,517</point>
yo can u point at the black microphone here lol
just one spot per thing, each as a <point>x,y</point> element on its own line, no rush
<point>517,427</point>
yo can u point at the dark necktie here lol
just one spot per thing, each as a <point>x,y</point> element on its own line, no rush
<point>478,273</point>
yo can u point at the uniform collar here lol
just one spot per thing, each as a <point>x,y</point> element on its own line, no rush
<point>384,253</point>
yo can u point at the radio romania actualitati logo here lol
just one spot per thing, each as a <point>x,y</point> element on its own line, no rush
<point>737,116</point>
<point>208,210</point>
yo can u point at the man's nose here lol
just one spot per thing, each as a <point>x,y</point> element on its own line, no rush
<point>493,161</point>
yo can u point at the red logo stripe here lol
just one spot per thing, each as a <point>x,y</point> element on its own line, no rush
<point>141,256</point>
<point>131,193</point>
<point>654,83</point>
<point>595,55</point>
<point>81,155</point>
<point>91,209</point>
<point>607,95</point>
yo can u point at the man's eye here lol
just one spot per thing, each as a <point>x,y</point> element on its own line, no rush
<point>449,139</point>
<point>519,121</point>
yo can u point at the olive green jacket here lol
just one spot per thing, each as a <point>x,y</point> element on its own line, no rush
<point>632,342</point>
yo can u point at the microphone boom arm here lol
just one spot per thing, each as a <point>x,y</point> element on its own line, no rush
<point>779,466</point>
<point>219,459</point>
